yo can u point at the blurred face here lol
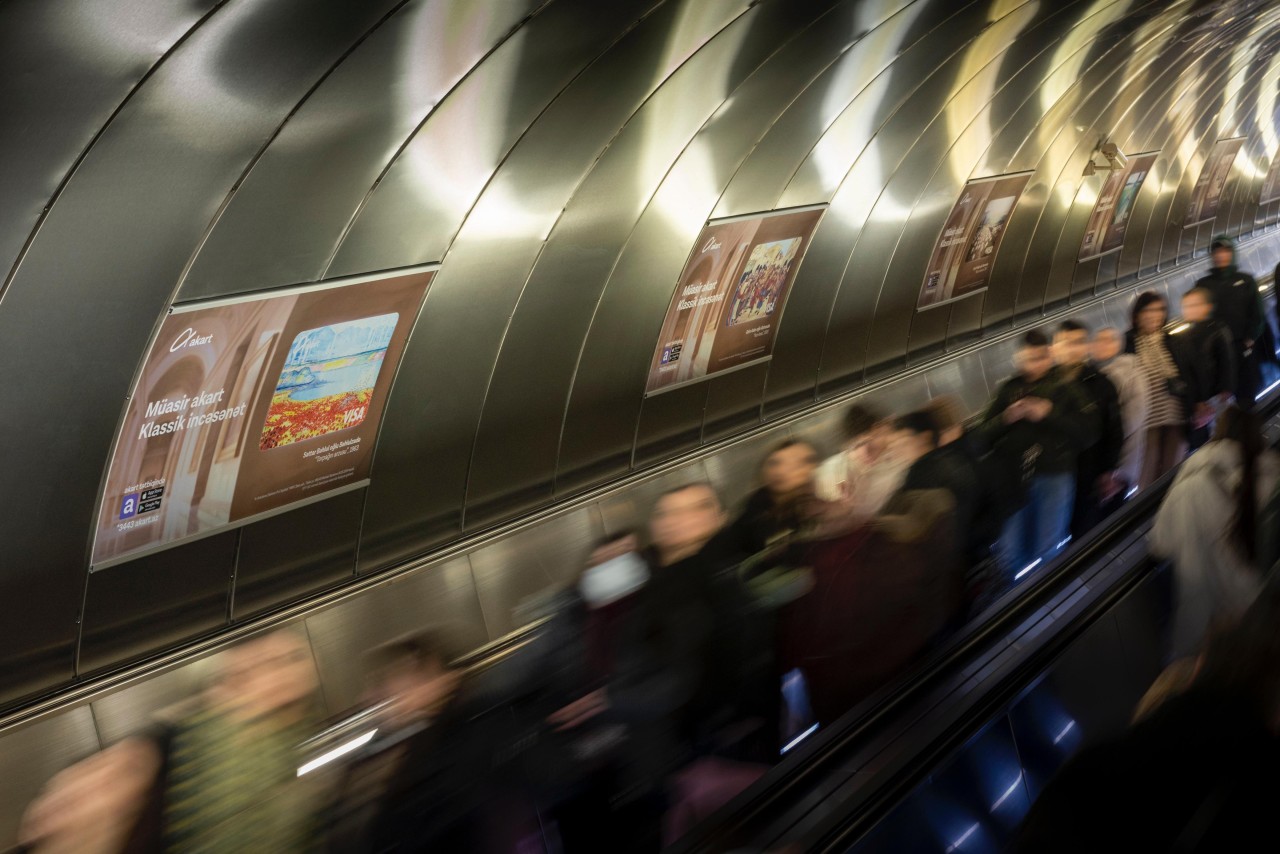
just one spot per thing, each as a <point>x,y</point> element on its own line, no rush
<point>1106,345</point>
<point>684,521</point>
<point>789,469</point>
<point>415,692</point>
<point>609,551</point>
<point>1071,348</point>
<point>871,445</point>
<point>1035,362</point>
<point>1195,308</point>
<point>265,676</point>
<point>1152,318</point>
<point>910,446</point>
<point>1222,257</point>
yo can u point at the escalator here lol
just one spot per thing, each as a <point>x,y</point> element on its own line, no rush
<point>952,761</point>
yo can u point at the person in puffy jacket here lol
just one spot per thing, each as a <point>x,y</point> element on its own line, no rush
<point>1131,385</point>
<point>1208,527</point>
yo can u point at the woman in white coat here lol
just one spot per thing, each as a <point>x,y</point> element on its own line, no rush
<point>1208,527</point>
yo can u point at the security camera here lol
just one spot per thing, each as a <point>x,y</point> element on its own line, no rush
<point>1114,155</point>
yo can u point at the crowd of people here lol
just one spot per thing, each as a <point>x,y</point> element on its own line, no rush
<point>689,654</point>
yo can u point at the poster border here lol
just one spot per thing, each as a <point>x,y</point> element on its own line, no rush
<point>1130,157</point>
<point>1216,142</point>
<point>955,200</point>
<point>724,220</point>
<point>1275,162</point>
<point>217,302</point>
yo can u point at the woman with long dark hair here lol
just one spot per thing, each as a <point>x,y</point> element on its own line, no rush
<point>1166,427</point>
<point>1208,527</point>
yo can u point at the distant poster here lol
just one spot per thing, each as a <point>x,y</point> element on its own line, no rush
<point>247,406</point>
<point>1206,197</point>
<point>729,298</point>
<point>1271,183</point>
<point>1110,218</point>
<point>960,265</point>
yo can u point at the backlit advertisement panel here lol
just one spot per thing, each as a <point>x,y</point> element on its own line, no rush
<point>1111,212</point>
<point>1206,197</point>
<point>729,299</point>
<point>251,405</point>
<point>960,265</point>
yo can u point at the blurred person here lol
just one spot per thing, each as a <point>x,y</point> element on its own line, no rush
<point>980,514</point>
<point>883,594</point>
<point>426,782</point>
<point>580,763</point>
<point>1098,491</point>
<point>1203,350</point>
<point>690,669</point>
<point>1126,375</point>
<point>222,768</point>
<point>858,481</point>
<point>1172,681</point>
<point>778,508</point>
<point>1166,427</point>
<point>1196,774</point>
<point>1237,304</point>
<point>1038,423</point>
<point>1208,527</point>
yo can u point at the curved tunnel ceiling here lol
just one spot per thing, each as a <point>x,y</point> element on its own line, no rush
<point>559,157</point>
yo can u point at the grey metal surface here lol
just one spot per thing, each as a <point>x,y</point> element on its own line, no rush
<point>31,755</point>
<point>559,157</point>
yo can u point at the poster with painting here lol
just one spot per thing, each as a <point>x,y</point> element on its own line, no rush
<point>1206,196</point>
<point>245,407</point>
<point>729,298</point>
<point>961,261</point>
<point>1109,220</point>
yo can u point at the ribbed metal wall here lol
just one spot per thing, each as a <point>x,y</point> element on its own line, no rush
<point>559,159</point>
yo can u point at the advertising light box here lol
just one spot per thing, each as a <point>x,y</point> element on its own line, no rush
<point>245,407</point>
<point>960,265</point>
<point>1109,220</point>
<point>1206,196</point>
<point>729,299</point>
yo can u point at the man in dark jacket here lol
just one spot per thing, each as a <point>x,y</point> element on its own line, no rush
<point>1206,359</point>
<point>1098,492</point>
<point>426,781</point>
<point>1238,305</point>
<point>1039,424</point>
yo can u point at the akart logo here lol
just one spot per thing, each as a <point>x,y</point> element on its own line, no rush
<point>711,243</point>
<point>189,338</point>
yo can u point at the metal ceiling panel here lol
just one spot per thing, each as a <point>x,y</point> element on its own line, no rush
<point>421,199</point>
<point>656,163</point>
<point>287,216</point>
<point>65,68</point>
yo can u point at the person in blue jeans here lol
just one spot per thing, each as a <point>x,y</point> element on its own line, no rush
<point>1036,427</point>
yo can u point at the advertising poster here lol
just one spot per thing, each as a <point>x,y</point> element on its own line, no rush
<point>729,298</point>
<point>1110,218</point>
<point>246,406</point>
<point>1206,197</point>
<point>1271,183</point>
<point>960,264</point>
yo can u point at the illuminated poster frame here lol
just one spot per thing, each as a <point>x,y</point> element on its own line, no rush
<point>966,248</point>
<point>1206,196</point>
<point>1270,191</point>
<point>730,296</point>
<point>250,406</point>
<point>1109,220</point>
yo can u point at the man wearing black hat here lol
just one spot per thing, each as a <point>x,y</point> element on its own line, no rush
<point>1237,304</point>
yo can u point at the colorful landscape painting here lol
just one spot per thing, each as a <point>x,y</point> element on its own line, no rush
<point>327,380</point>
